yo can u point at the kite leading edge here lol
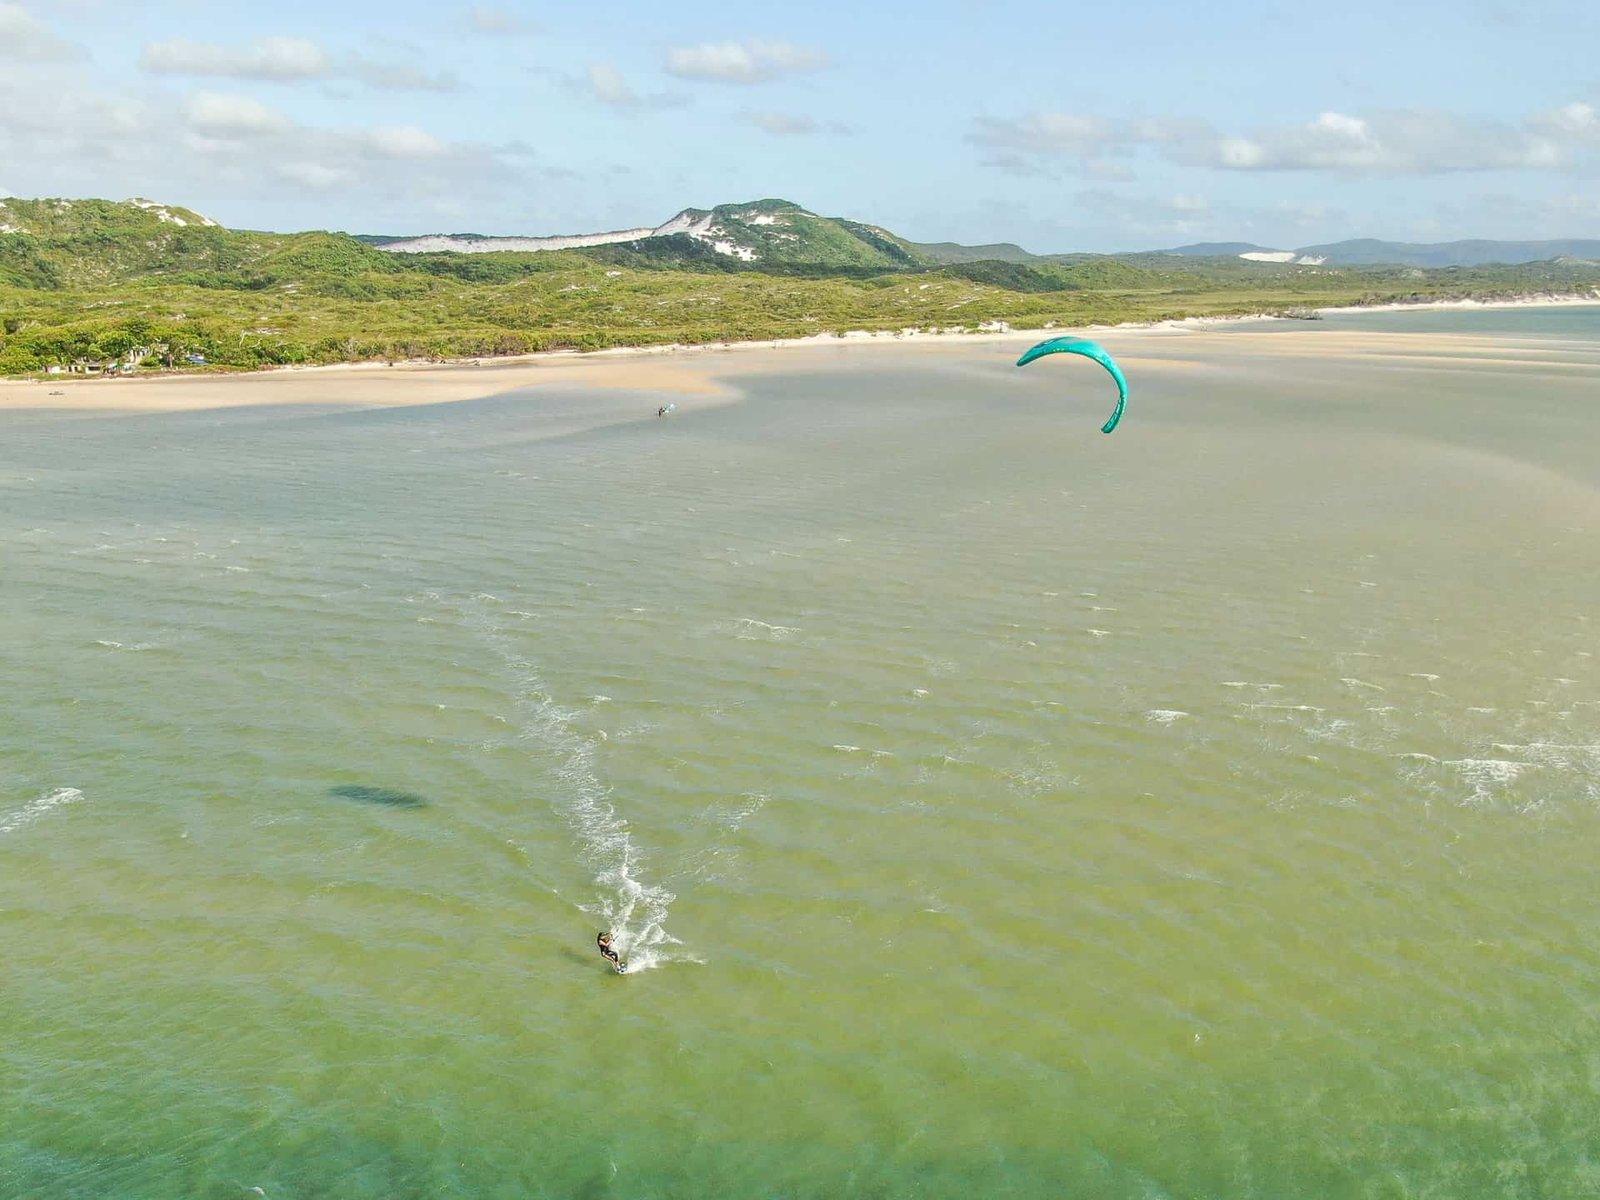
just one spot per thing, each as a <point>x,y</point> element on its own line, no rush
<point>1088,349</point>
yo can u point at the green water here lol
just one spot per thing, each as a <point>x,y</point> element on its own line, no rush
<point>989,807</point>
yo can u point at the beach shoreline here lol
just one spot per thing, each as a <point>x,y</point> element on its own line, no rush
<point>695,375</point>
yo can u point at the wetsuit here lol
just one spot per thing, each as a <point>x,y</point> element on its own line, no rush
<point>605,948</point>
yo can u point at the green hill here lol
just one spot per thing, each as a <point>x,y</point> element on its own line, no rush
<point>954,252</point>
<point>768,235</point>
<point>777,236</point>
<point>57,219</point>
<point>92,243</point>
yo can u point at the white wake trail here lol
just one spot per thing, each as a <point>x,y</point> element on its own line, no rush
<point>30,812</point>
<point>634,911</point>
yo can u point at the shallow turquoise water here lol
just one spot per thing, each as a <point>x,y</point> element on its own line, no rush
<point>989,807</point>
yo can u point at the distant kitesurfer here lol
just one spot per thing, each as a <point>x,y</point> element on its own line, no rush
<point>662,411</point>
<point>603,940</point>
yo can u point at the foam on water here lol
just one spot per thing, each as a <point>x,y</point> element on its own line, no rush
<point>1164,716</point>
<point>1489,777</point>
<point>749,627</point>
<point>30,812</point>
<point>1581,761</point>
<point>748,806</point>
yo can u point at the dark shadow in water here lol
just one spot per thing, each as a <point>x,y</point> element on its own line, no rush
<point>387,797</point>
<point>592,959</point>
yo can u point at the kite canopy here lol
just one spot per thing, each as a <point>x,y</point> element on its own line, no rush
<point>1088,349</point>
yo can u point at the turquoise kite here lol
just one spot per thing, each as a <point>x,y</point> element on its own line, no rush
<point>1094,350</point>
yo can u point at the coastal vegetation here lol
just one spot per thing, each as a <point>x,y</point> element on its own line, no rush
<point>89,283</point>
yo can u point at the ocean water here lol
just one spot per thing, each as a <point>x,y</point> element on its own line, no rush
<point>987,807</point>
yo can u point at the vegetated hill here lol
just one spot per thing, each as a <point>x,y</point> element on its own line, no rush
<point>779,234</point>
<point>54,218</point>
<point>955,252</point>
<point>85,243</point>
<point>774,234</point>
<point>58,244</point>
<point>1363,251</point>
<point>1066,273</point>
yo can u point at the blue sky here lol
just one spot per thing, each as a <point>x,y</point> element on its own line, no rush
<point>1059,126</point>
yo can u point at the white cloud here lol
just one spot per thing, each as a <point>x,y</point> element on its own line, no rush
<point>1049,133</point>
<point>1240,152</point>
<point>218,115</point>
<point>406,141</point>
<point>313,175</point>
<point>1023,146</point>
<point>1391,142</point>
<point>1166,131</point>
<point>400,77</point>
<point>242,159</point>
<point>603,82</point>
<point>494,21</point>
<point>609,87</point>
<point>23,36</point>
<point>287,60</point>
<point>1560,215</point>
<point>43,125</point>
<point>1106,171</point>
<point>754,61</point>
<point>1577,120</point>
<point>272,58</point>
<point>780,124</point>
<point>1574,205</point>
<point>1184,215</point>
<point>1396,142</point>
<point>1021,166</point>
<point>1126,220</point>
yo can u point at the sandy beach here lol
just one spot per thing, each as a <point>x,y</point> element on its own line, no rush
<point>698,376</point>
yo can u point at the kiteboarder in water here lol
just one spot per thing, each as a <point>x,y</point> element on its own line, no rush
<point>603,940</point>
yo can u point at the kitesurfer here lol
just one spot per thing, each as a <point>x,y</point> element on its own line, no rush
<point>603,940</point>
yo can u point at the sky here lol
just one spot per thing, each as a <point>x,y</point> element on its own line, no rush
<point>1059,126</point>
